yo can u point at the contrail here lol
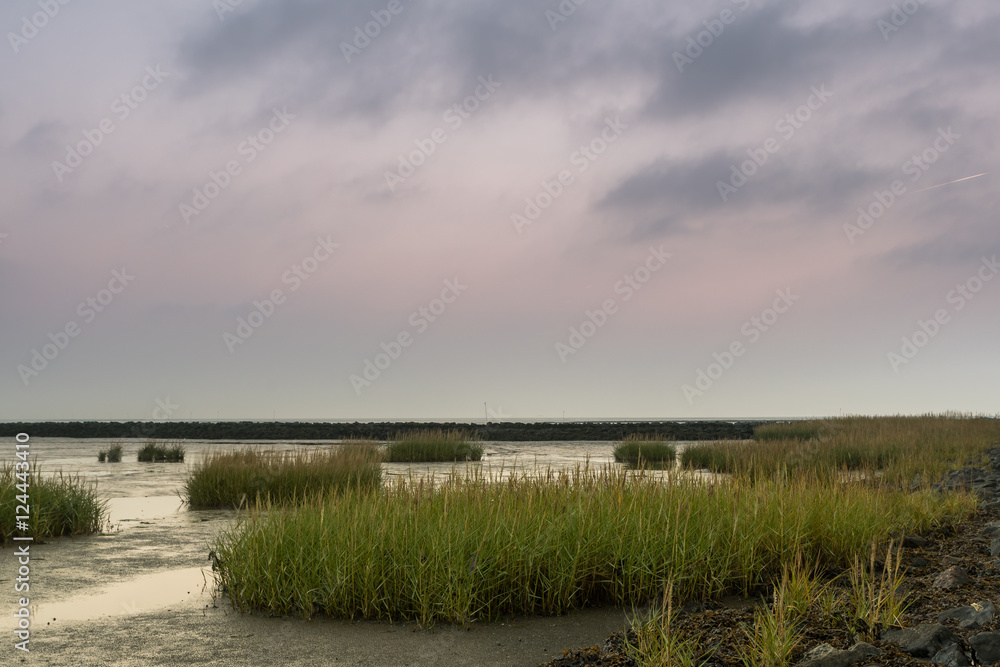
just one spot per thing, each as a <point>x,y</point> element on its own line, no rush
<point>949,183</point>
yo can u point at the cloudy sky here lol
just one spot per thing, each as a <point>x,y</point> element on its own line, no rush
<point>394,209</point>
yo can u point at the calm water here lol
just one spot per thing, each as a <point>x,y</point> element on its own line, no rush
<point>131,479</point>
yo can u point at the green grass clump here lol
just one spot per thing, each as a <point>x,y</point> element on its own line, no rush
<point>481,547</point>
<point>433,445</point>
<point>112,454</point>
<point>154,452</point>
<point>714,456</point>
<point>59,505</point>
<point>636,450</point>
<point>232,479</point>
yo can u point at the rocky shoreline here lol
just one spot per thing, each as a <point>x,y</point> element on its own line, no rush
<point>952,575</point>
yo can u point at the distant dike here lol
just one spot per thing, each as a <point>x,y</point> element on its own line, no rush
<point>507,431</point>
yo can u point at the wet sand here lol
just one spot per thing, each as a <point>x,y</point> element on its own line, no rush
<point>143,594</point>
<point>216,637</point>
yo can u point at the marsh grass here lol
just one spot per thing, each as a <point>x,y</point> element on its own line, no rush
<point>717,456</point>
<point>639,450</point>
<point>236,478</point>
<point>867,599</point>
<point>433,445</point>
<point>155,452</point>
<point>897,448</point>
<point>483,546</point>
<point>776,632</point>
<point>876,596</point>
<point>112,454</point>
<point>799,430</point>
<point>58,505</point>
<point>655,644</point>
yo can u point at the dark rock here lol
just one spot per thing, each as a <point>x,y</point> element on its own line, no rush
<point>992,529</point>
<point>915,542</point>
<point>986,646</point>
<point>825,655</point>
<point>948,561</point>
<point>922,641</point>
<point>693,607</point>
<point>952,656</point>
<point>699,606</point>
<point>617,643</point>
<point>995,547</point>
<point>920,562</point>
<point>973,617</point>
<point>953,577</point>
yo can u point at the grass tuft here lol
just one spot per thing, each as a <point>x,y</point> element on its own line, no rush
<point>236,478</point>
<point>654,641</point>
<point>112,454</point>
<point>776,632</point>
<point>433,445</point>
<point>154,452</point>
<point>57,505</point>
<point>637,450</point>
<point>876,598</point>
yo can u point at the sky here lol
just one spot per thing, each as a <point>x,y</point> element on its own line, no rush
<point>517,210</point>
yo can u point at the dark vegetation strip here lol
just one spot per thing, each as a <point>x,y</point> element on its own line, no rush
<point>506,431</point>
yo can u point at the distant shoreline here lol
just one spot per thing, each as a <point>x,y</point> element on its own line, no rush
<point>504,430</point>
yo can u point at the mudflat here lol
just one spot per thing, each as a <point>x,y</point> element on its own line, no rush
<point>143,592</point>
